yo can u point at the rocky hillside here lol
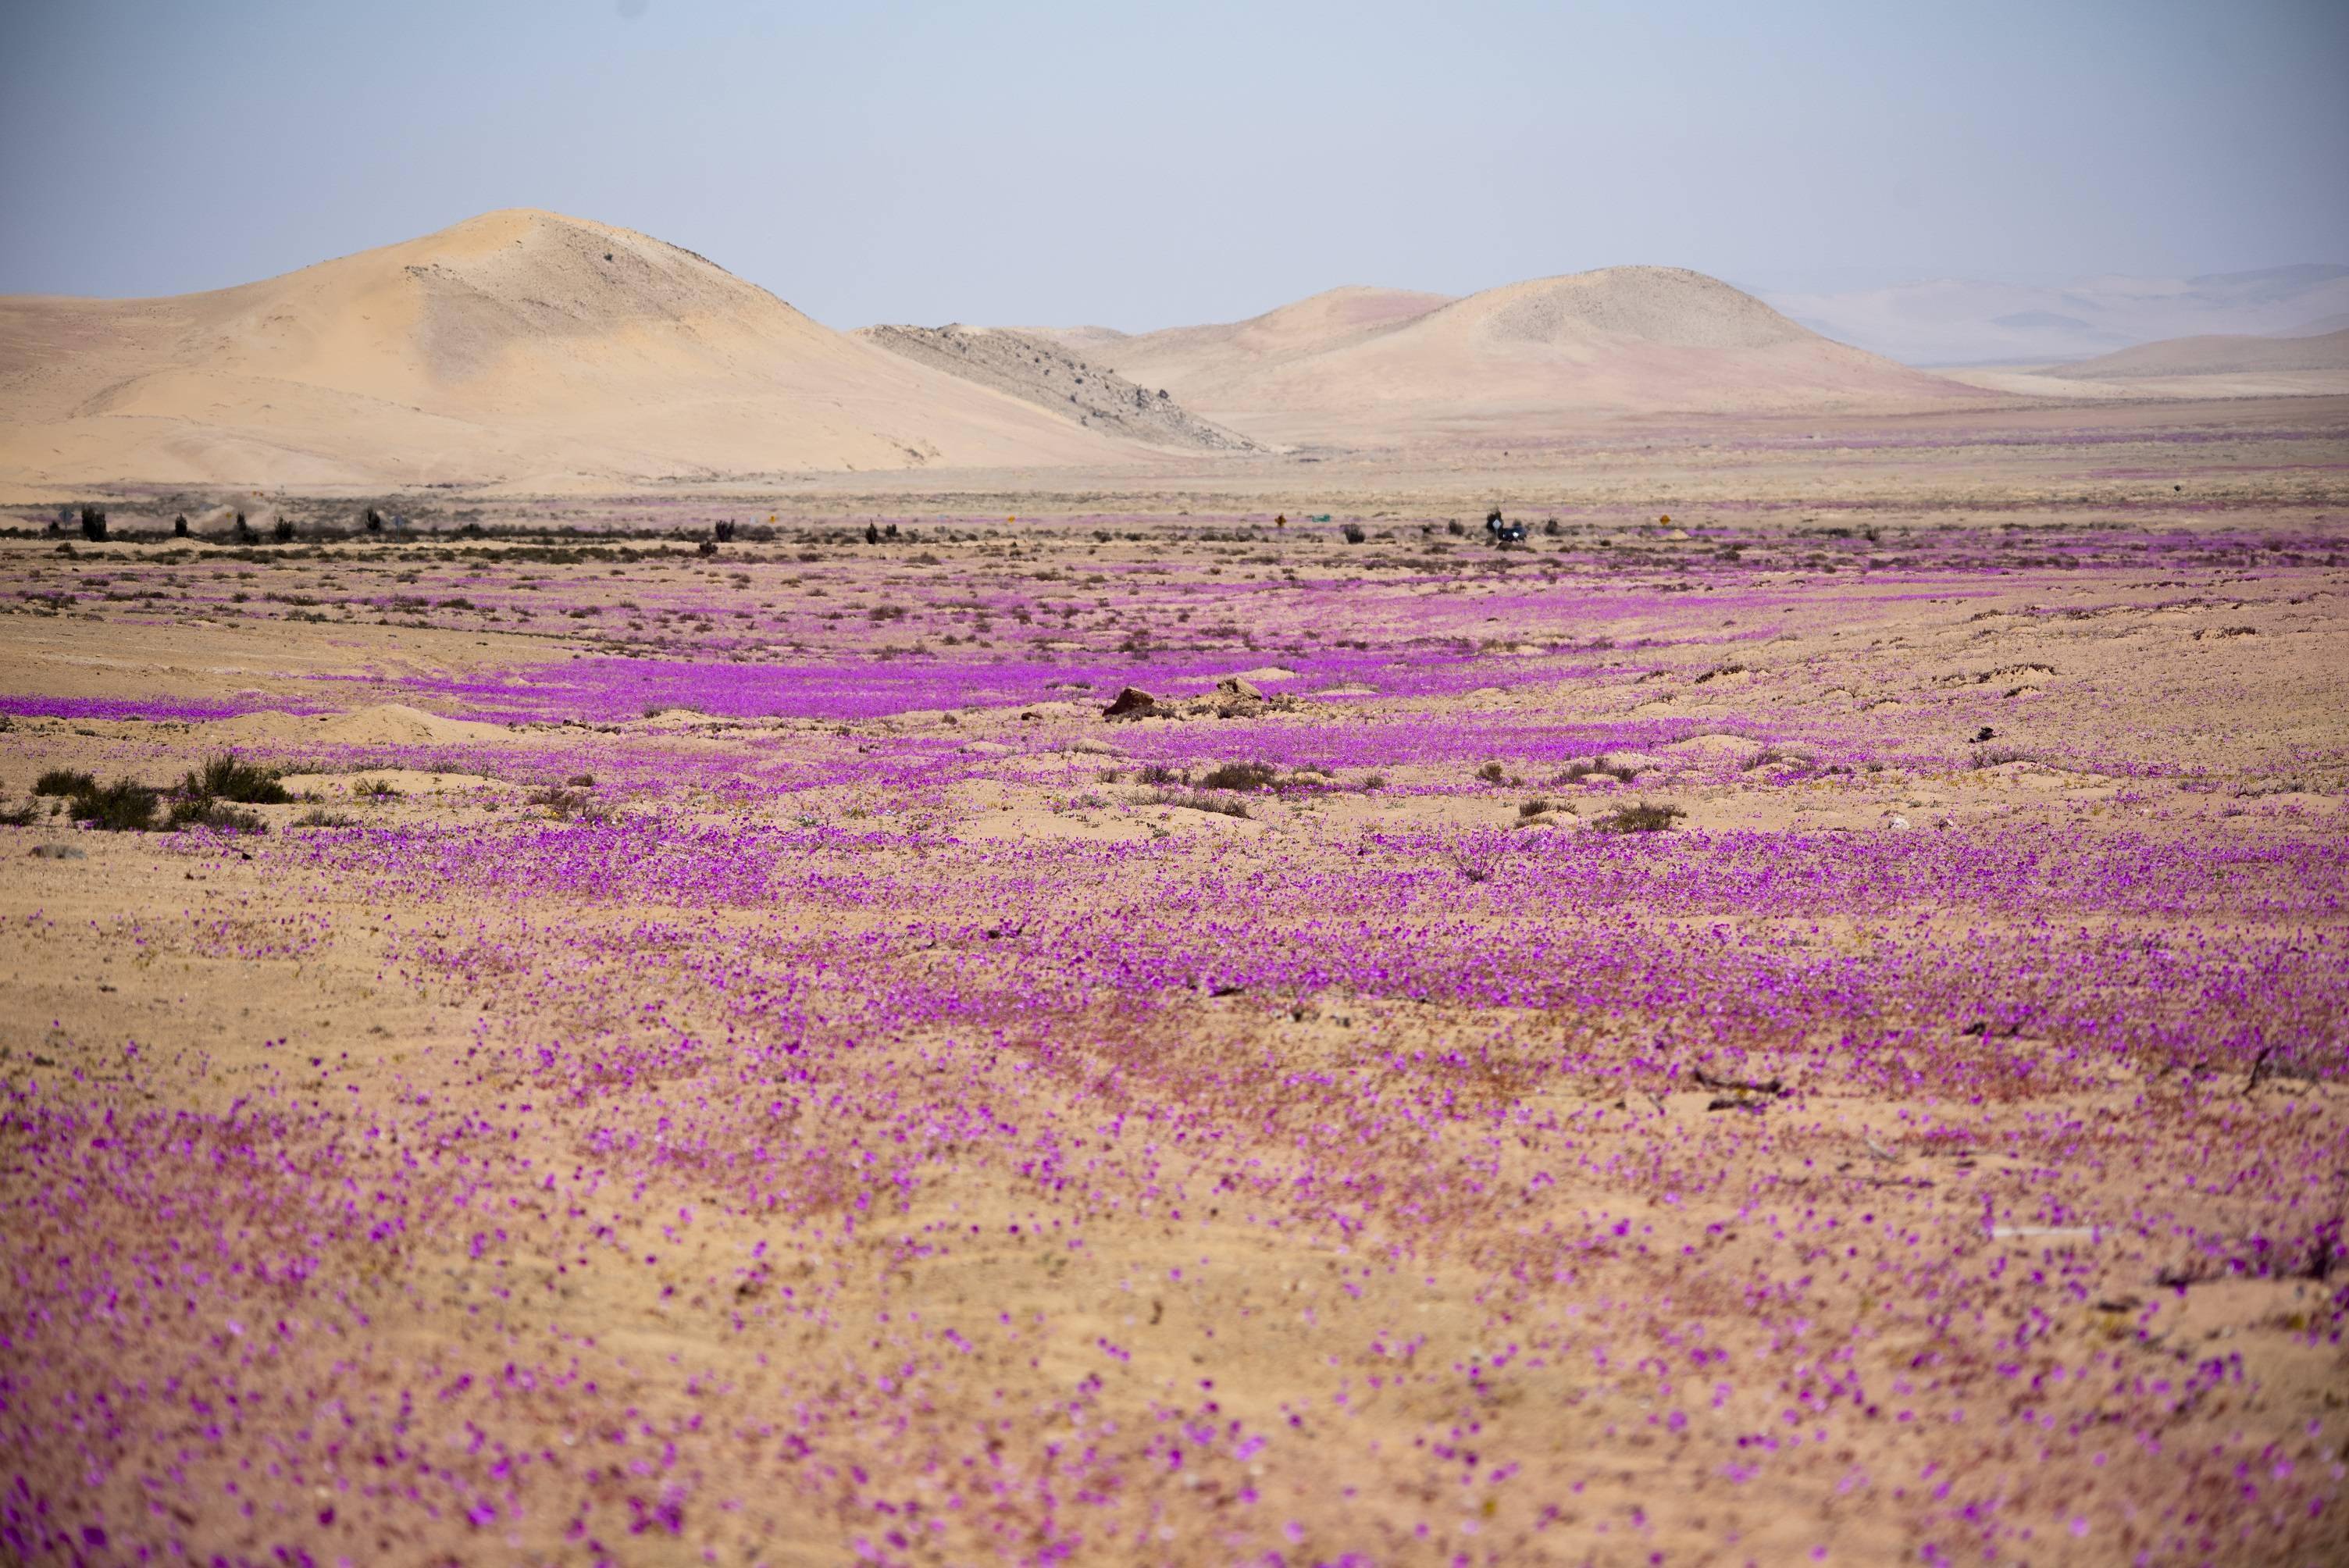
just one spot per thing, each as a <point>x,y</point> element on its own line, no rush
<point>1039,371</point>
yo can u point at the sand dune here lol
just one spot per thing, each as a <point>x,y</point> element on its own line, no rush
<point>1053,375</point>
<point>2215,355</point>
<point>517,347</point>
<point>1384,365</point>
<point>1209,360</point>
<point>383,724</point>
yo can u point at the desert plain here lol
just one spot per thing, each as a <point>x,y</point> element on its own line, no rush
<point>1795,1014</point>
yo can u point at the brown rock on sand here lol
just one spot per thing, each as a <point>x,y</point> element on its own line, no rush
<point>1131,703</point>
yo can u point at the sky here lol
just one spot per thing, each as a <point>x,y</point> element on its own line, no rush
<point>1144,166</point>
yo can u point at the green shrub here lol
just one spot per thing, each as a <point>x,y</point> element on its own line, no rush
<point>121,807</point>
<point>64,781</point>
<point>229,778</point>
<point>204,811</point>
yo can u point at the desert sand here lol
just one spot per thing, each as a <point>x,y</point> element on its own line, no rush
<point>1794,1015</point>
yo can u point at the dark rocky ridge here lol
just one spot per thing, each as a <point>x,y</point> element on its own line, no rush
<point>1037,370</point>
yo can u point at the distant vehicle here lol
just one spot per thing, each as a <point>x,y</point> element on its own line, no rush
<point>1502,529</point>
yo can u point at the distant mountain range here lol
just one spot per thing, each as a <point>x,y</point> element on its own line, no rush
<point>1388,366</point>
<point>533,350</point>
<point>530,349</point>
<point>1950,321</point>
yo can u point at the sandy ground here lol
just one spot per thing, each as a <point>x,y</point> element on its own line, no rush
<point>734,1059</point>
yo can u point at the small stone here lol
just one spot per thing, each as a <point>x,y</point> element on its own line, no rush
<point>1232,685</point>
<point>55,852</point>
<point>1131,703</point>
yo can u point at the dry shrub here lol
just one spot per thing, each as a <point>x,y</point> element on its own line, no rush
<point>1644,818</point>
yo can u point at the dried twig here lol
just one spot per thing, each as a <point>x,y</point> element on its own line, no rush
<point>2259,1068</point>
<point>1736,1086</point>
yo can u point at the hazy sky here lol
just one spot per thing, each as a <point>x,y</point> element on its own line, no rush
<point>1140,166</point>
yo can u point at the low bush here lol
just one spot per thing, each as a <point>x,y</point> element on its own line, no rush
<point>121,807</point>
<point>1241,776</point>
<point>1477,856</point>
<point>230,778</point>
<point>561,804</point>
<point>1222,806</point>
<point>1643,818</point>
<point>1599,767</point>
<point>64,781</point>
<point>205,811</point>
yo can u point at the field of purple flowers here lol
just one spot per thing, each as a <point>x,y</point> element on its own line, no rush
<point>737,1059</point>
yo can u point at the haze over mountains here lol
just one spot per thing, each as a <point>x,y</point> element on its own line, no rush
<point>2211,365</point>
<point>1955,322</point>
<point>2216,355</point>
